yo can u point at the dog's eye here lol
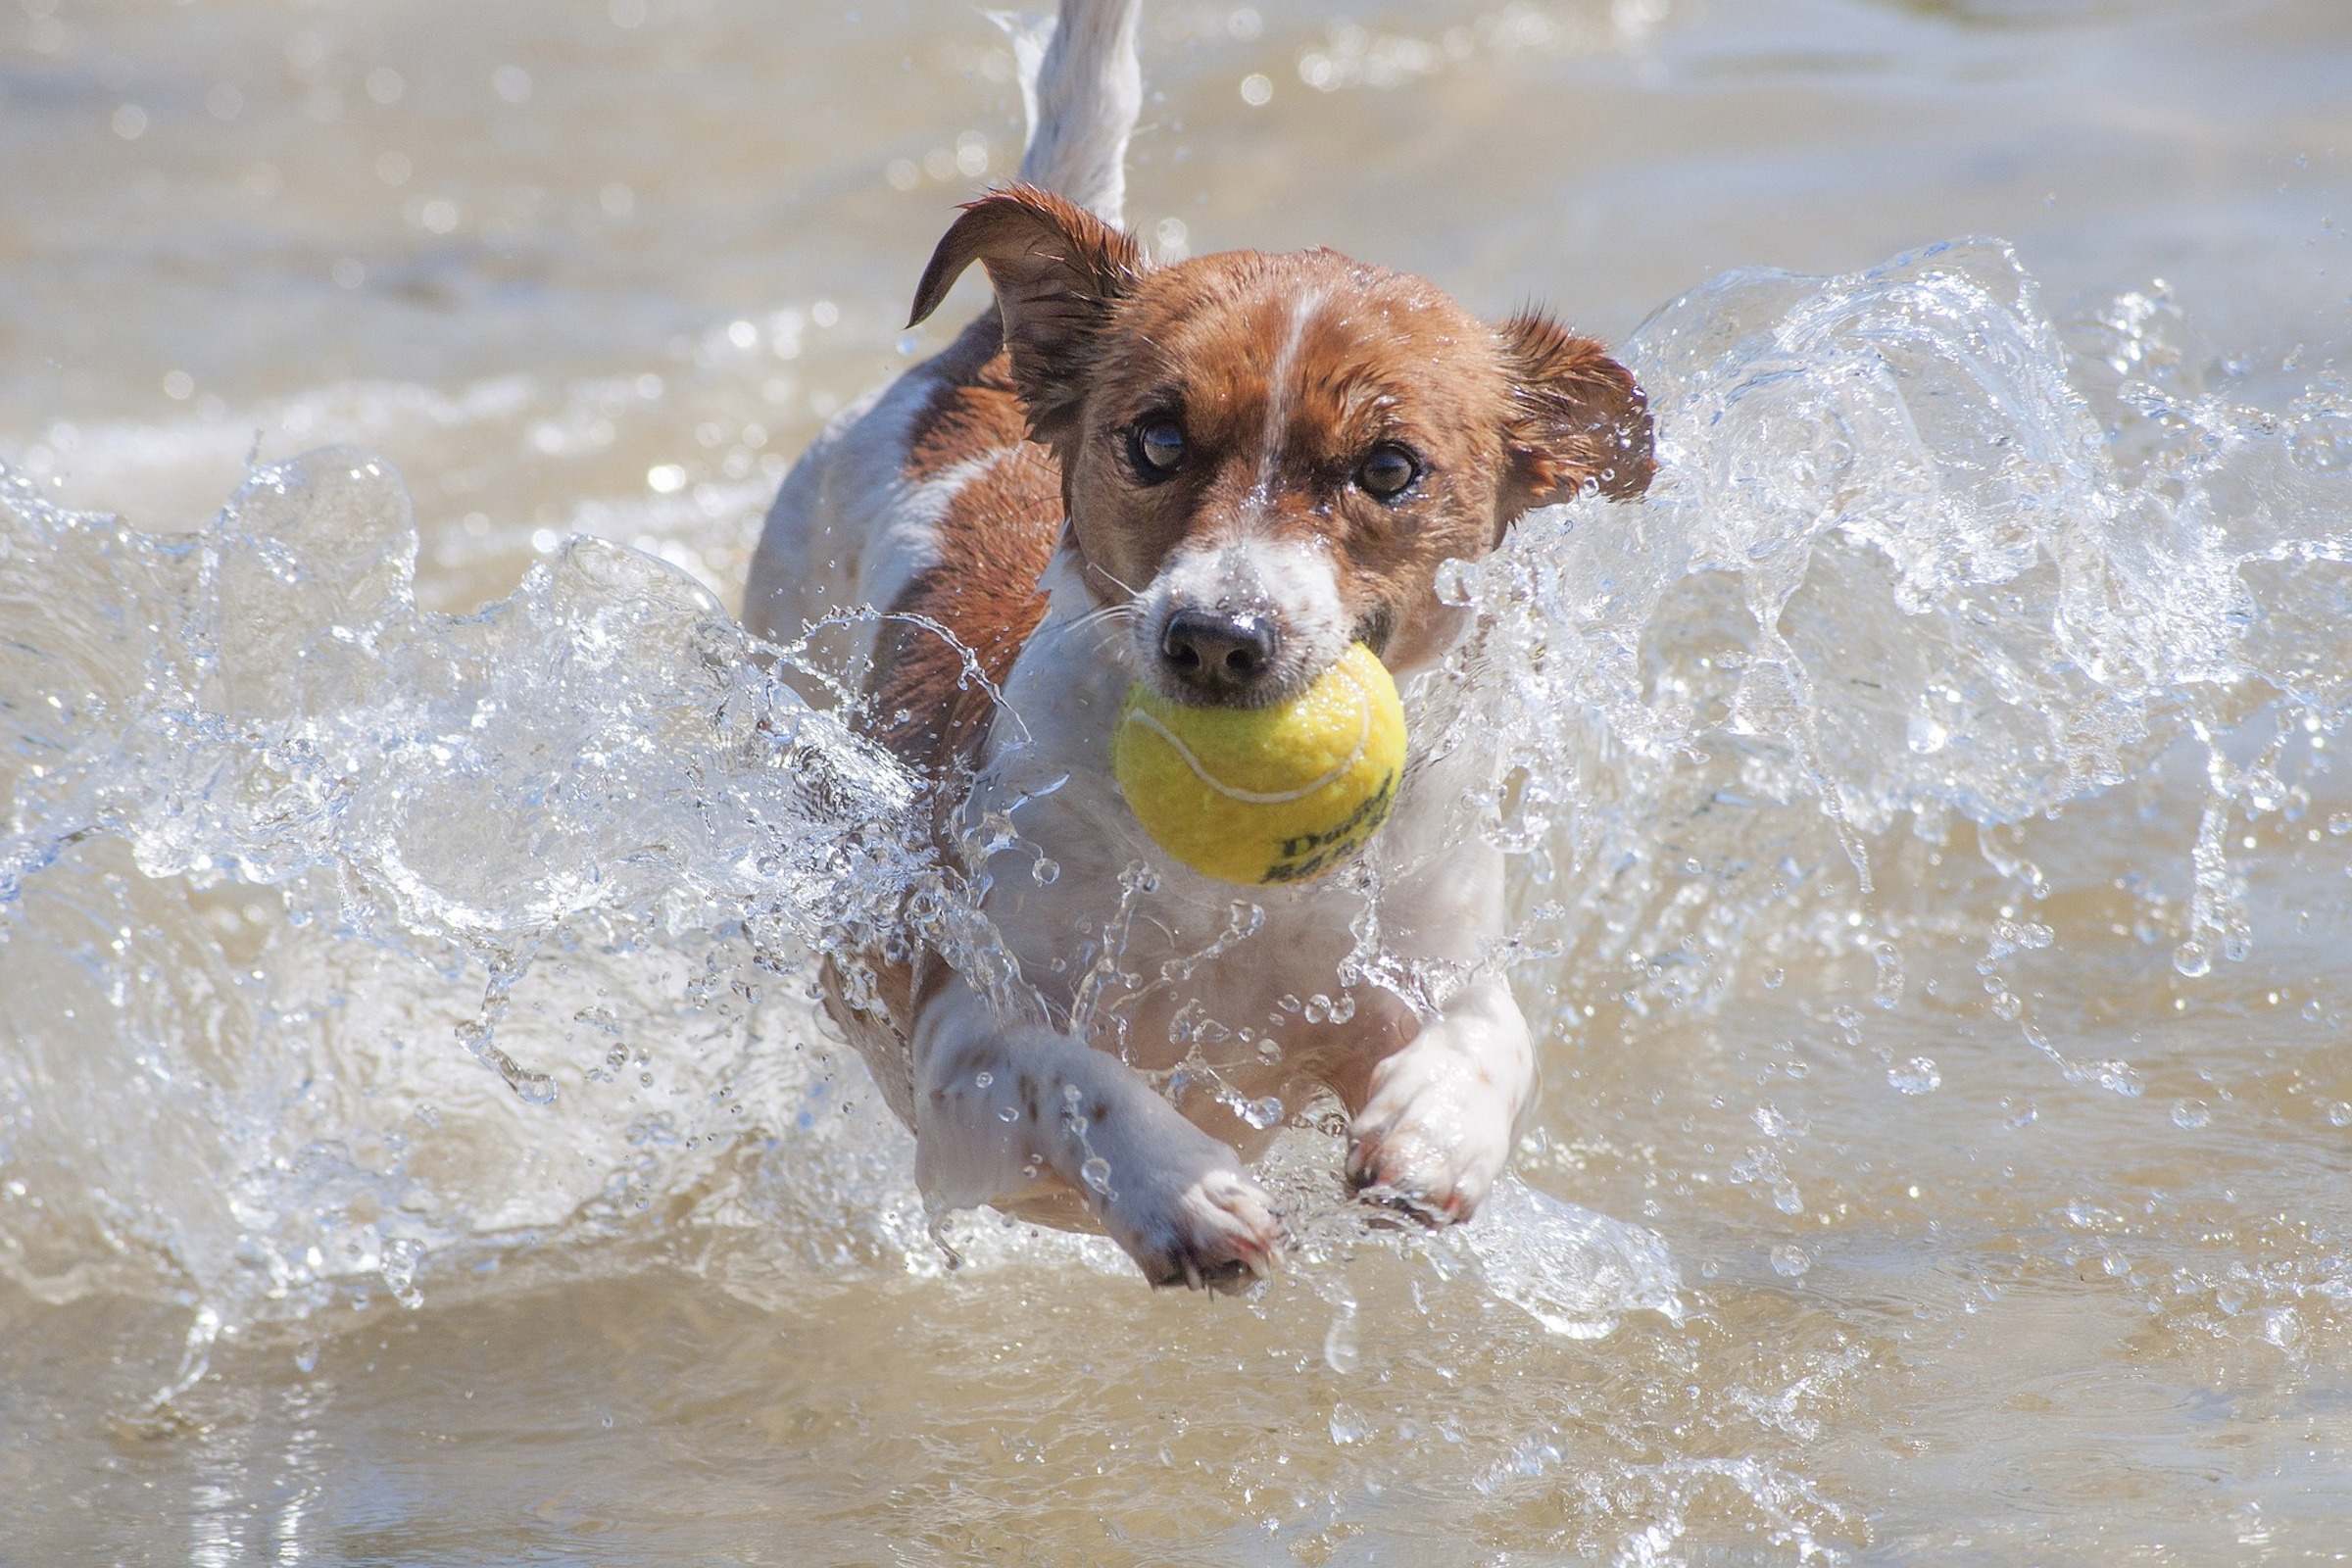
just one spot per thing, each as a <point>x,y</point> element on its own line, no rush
<point>1157,447</point>
<point>1387,473</point>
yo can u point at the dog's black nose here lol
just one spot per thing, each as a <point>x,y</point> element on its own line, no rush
<point>1219,654</point>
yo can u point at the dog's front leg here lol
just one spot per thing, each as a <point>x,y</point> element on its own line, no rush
<point>998,1108</point>
<point>1441,1114</point>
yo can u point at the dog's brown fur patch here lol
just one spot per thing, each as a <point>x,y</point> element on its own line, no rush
<point>1285,373</point>
<point>980,603</point>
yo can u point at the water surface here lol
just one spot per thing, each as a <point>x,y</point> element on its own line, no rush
<point>416,1143</point>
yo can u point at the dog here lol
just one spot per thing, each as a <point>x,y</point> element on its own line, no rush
<point>1213,477</point>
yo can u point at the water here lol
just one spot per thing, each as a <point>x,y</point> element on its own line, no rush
<point>416,1144</point>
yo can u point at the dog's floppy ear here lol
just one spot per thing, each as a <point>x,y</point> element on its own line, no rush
<point>1057,271</point>
<point>1575,419</point>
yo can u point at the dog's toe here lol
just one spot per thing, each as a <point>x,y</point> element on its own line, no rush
<point>1220,1234</point>
<point>1436,1168</point>
<point>1406,1200</point>
<point>1229,1278</point>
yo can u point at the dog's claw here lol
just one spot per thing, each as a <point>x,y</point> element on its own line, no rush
<point>1219,1235</point>
<point>1436,1184</point>
<point>1229,1278</point>
<point>1412,1205</point>
<point>1423,1148</point>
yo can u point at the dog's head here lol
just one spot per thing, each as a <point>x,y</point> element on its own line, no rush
<point>1269,456</point>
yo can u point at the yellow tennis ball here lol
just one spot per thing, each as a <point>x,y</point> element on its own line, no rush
<point>1256,795</point>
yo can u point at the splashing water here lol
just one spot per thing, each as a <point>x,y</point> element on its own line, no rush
<point>266,814</point>
<point>1898,567</point>
<point>289,861</point>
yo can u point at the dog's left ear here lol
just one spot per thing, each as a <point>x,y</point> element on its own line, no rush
<point>1057,269</point>
<point>1576,421</point>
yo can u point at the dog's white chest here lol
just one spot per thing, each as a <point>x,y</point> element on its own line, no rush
<point>1140,953</point>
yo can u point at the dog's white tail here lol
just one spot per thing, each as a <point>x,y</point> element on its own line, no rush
<point>1082,87</point>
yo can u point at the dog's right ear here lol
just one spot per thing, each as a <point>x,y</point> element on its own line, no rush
<point>1057,271</point>
<point>1577,422</point>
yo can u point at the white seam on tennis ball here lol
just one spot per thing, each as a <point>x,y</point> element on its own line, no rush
<point>1363,738</point>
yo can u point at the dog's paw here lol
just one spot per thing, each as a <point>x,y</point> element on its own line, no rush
<point>1431,1140</point>
<point>1215,1232</point>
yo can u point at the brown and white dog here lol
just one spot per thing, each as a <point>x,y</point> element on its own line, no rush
<point>1213,477</point>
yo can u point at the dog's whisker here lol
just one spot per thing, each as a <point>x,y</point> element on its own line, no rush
<point>1114,578</point>
<point>1101,615</point>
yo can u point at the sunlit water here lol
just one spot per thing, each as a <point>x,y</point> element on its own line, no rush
<point>415,1140</point>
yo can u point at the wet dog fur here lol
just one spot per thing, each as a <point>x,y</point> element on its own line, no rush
<point>1213,477</point>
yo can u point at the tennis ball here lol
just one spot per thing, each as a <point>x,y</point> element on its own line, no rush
<point>1265,794</point>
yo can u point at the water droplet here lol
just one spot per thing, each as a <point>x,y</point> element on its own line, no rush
<point>1007,1113</point>
<point>2339,1114</point>
<point>981,1079</point>
<point>306,1357</point>
<point>2117,1078</point>
<point>2192,959</point>
<point>1925,735</point>
<point>1917,1076</point>
<point>1452,585</point>
<point>2190,1115</point>
<point>1888,991</point>
<point>1096,1173</point>
<point>1790,1263</point>
<point>1341,1351</point>
<point>1774,978</point>
<point>1046,872</point>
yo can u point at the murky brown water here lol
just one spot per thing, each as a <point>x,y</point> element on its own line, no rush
<point>2028,1243</point>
